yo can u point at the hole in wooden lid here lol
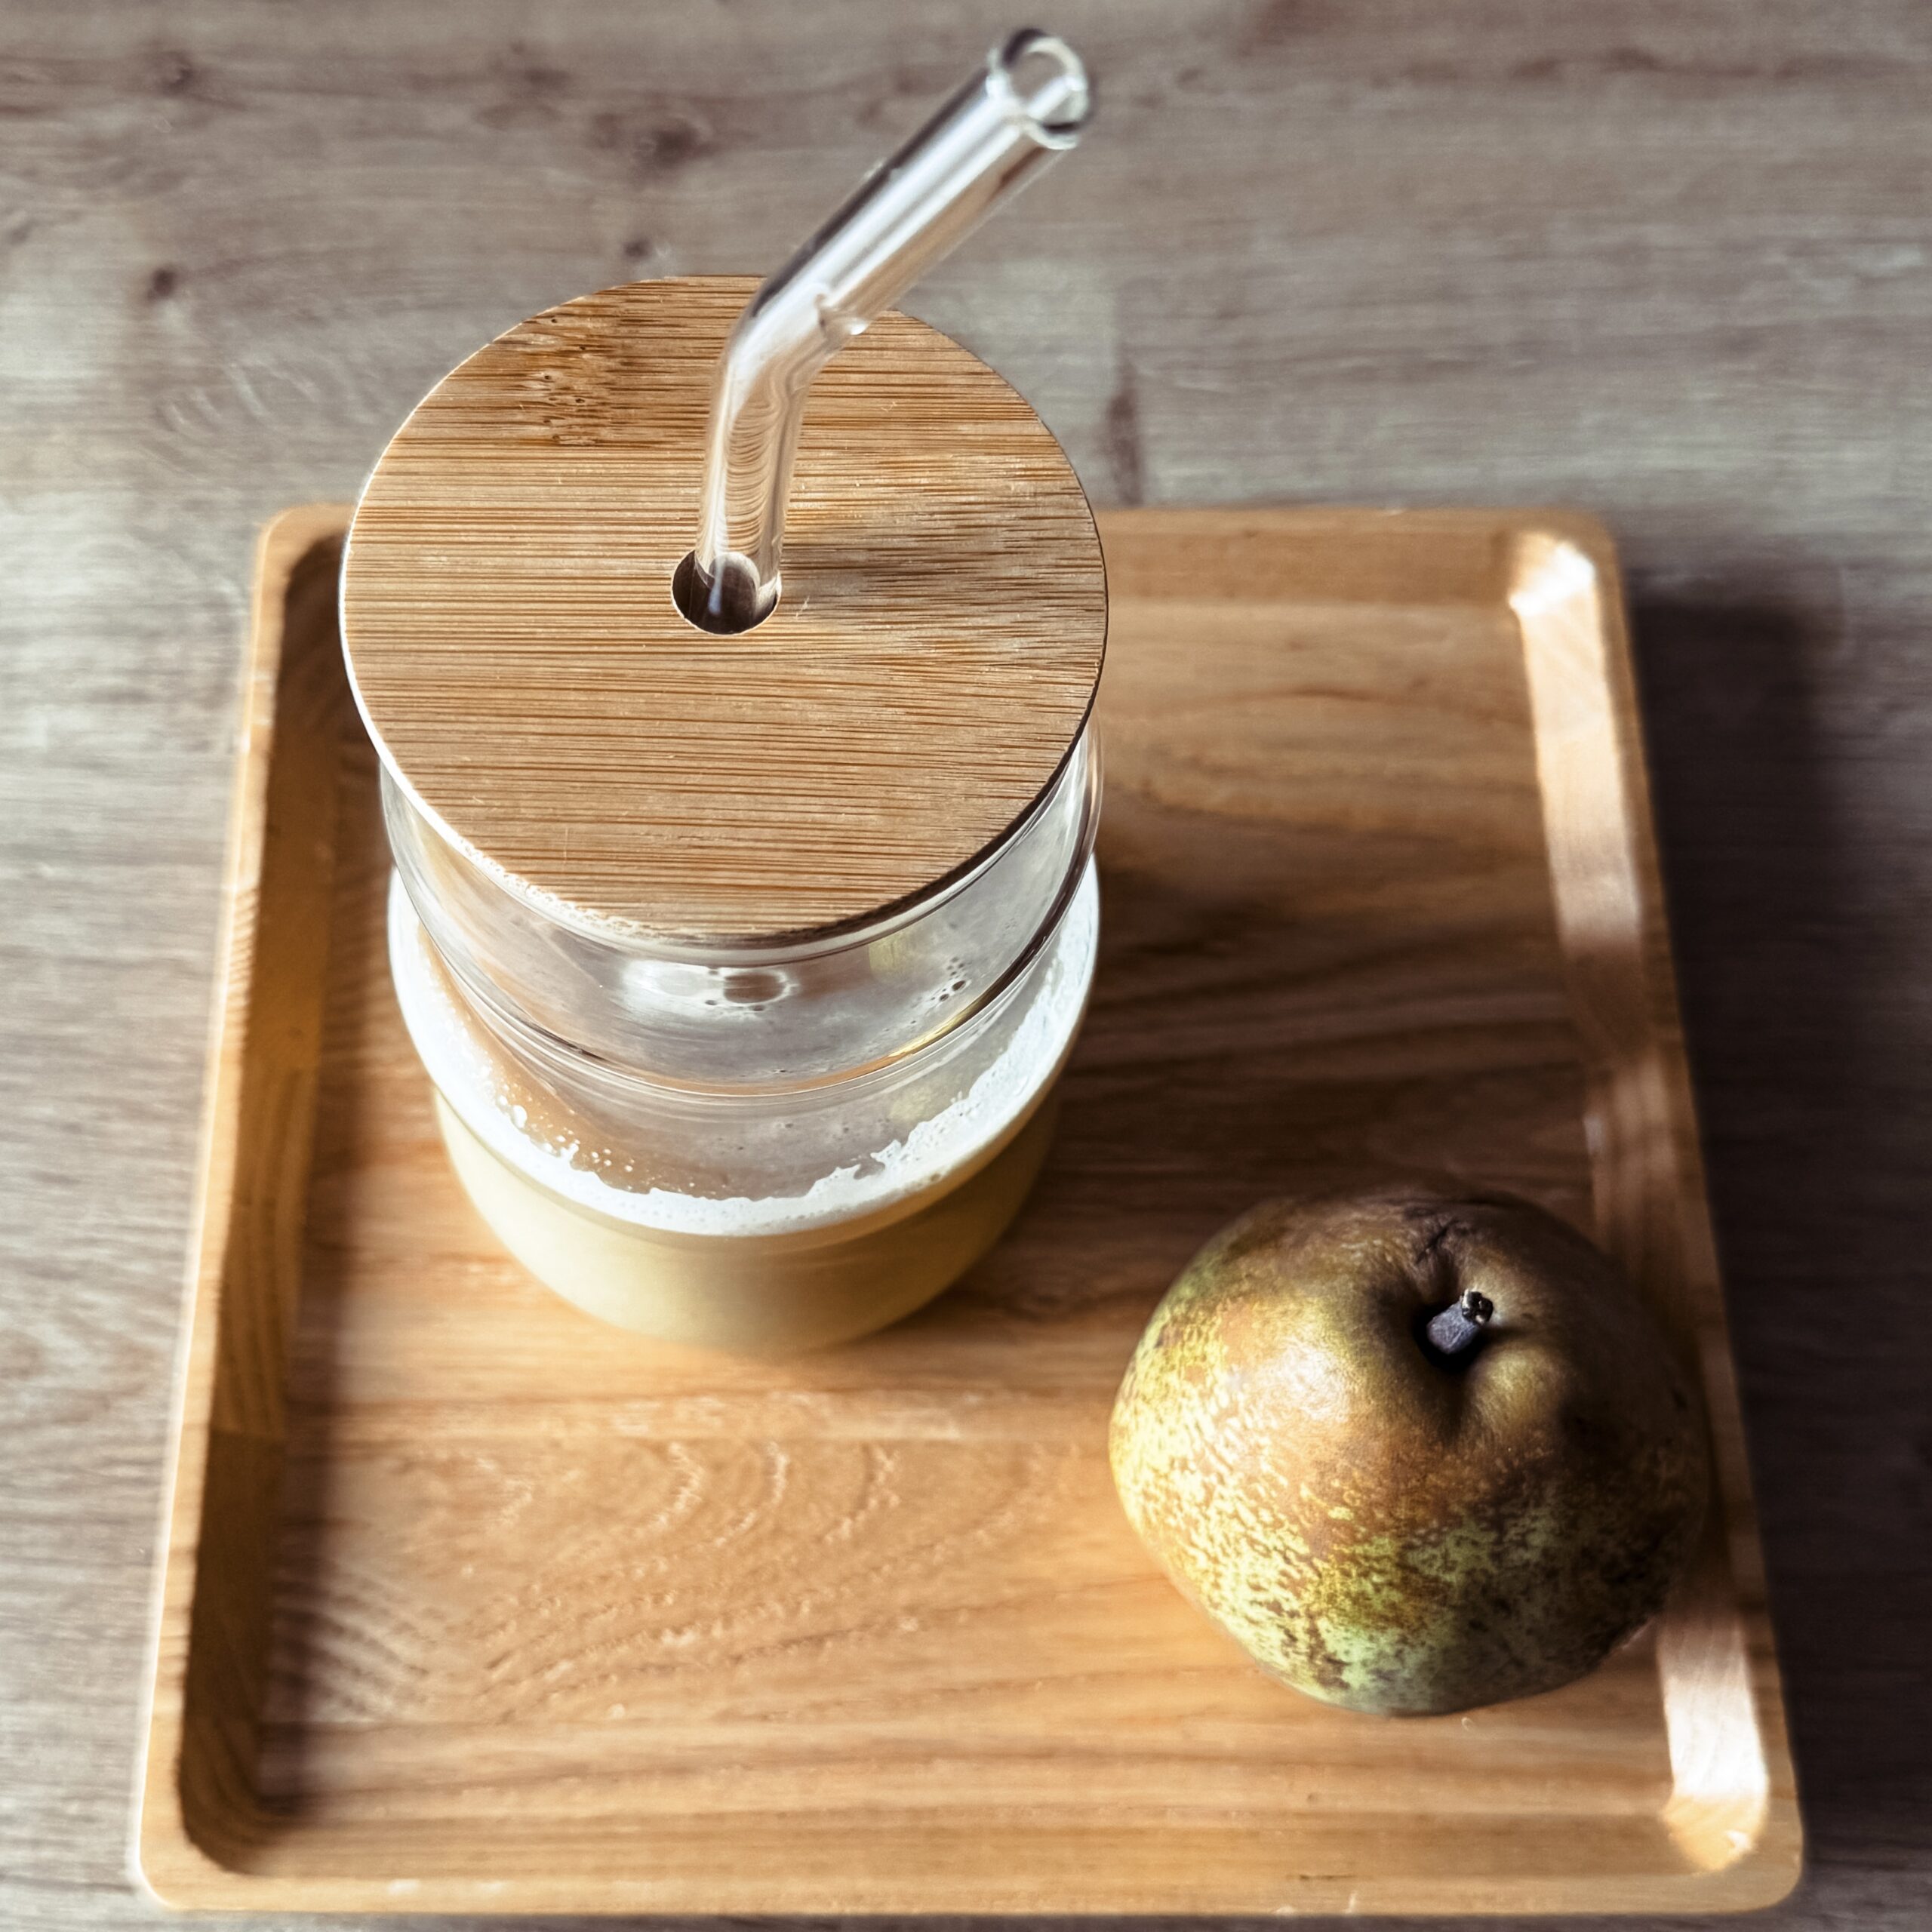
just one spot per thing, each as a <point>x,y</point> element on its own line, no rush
<point>725,602</point>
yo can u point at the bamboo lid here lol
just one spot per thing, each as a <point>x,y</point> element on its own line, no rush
<point>507,617</point>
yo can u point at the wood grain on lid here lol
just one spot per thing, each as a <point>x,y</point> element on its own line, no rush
<point>507,616</point>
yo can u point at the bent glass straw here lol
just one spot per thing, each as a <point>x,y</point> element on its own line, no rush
<point>1027,107</point>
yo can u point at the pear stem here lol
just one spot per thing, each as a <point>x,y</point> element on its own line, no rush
<point>1457,1328</point>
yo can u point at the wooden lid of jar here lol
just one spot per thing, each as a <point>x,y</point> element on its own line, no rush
<point>507,617</point>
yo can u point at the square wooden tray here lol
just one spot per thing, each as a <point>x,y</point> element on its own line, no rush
<point>470,1604</point>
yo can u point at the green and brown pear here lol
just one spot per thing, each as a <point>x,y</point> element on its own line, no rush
<point>1415,1453</point>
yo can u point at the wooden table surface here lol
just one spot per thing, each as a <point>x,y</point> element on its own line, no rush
<point>1671,262</point>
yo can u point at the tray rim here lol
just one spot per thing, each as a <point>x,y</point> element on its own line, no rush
<point>167,1857</point>
<point>161,1843</point>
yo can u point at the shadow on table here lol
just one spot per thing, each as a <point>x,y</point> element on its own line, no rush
<point>1815,1142</point>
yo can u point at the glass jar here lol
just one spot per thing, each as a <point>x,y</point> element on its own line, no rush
<point>743,963</point>
<point>763,1147</point>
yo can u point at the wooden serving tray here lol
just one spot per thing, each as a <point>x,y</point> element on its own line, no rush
<point>472,1604</point>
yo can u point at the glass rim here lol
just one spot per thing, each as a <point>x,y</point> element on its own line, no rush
<point>525,1035</point>
<point>821,942</point>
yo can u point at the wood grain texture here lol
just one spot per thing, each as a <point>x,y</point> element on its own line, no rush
<point>524,1613</point>
<point>507,615</point>
<point>1671,262</point>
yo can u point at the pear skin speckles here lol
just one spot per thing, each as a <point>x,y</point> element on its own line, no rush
<point>1377,1530</point>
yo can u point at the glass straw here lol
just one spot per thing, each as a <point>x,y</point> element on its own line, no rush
<point>1028,105</point>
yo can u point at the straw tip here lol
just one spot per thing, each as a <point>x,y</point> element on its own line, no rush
<point>1046,83</point>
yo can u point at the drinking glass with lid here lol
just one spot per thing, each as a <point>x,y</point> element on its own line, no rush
<point>732,702</point>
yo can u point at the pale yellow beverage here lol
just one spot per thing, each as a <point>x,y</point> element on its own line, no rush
<point>755,1294</point>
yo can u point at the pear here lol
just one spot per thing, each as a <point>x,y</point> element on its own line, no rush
<point>1414,1453</point>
